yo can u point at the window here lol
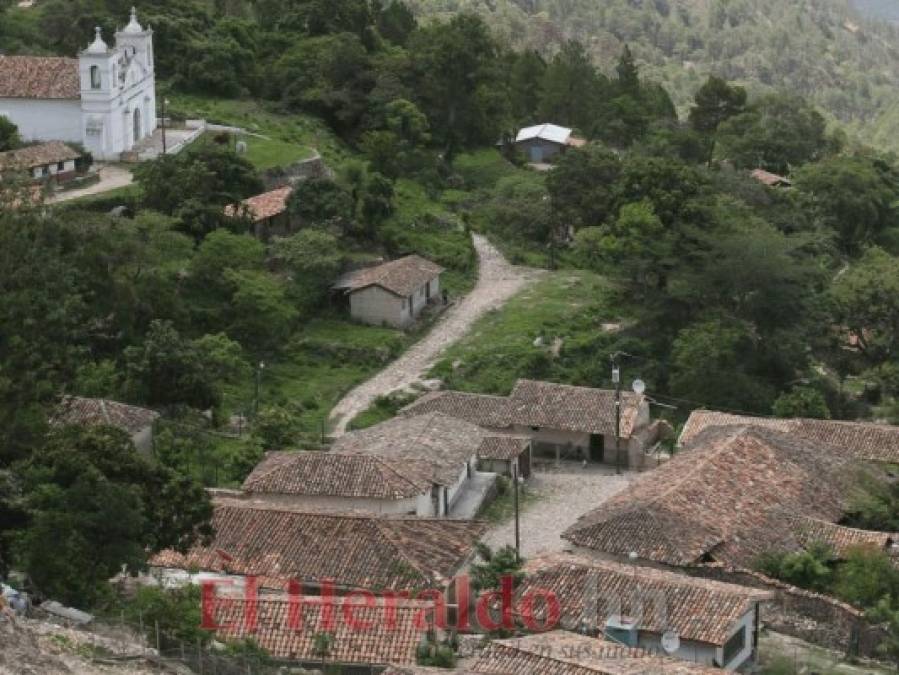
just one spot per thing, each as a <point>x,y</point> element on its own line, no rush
<point>60,166</point>
<point>95,77</point>
<point>734,646</point>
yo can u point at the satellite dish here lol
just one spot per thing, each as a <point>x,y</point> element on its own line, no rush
<point>639,386</point>
<point>670,641</point>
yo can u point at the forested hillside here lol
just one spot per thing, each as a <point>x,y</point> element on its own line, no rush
<point>822,49</point>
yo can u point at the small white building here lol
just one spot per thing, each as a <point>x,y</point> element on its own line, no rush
<point>543,142</point>
<point>105,99</point>
<point>393,293</point>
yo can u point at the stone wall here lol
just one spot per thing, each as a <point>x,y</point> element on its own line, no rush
<point>314,167</point>
<point>816,618</point>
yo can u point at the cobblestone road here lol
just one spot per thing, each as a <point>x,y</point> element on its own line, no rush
<point>565,494</point>
<point>497,282</point>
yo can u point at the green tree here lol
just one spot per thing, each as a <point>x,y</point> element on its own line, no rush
<point>866,576</point>
<point>582,187</point>
<point>167,369</point>
<point>321,202</point>
<point>276,427</point>
<point>570,88</point>
<point>628,73</point>
<point>262,317</point>
<point>714,103</point>
<point>854,197</point>
<point>527,77</point>
<point>492,566</point>
<point>313,260</point>
<point>9,135</point>
<point>801,402</point>
<point>777,132</point>
<point>396,22</point>
<point>866,301</point>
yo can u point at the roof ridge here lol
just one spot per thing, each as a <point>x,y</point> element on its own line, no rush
<point>381,526</point>
<point>274,468</point>
<point>554,654</point>
<point>387,465</point>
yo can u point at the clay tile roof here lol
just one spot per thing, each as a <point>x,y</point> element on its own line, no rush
<point>481,409</point>
<point>37,155</point>
<point>698,609</point>
<point>432,447</point>
<point>337,475</point>
<point>503,447</point>
<point>839,537</point>
<point>39,77</point>
<point>562,406</point>
<point>356,551</point>
<point>98,411</point>
<point>378,634</point>
<point>261,207</point>
<point>565,653</point>
<point>770,179</point>
<point>864,440</point>
<point>725,497</point>
<point>402,276</point>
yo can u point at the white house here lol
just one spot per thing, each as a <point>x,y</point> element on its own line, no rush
<point>45,161</point>
<point>105,99</point>
<point>393,293</point>
<point>137,422</point>
<point>542,142</point>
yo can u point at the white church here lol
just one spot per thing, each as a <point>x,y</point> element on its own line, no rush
<point>105,99</point>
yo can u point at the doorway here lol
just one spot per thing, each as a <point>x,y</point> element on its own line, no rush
<point>137,125</point>
<point>597,447</point>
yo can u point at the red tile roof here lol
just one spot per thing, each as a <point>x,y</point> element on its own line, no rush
<point>537,404</point>
<point>503,447</point>
<point>839,537</point>
<point>432,448</point>
<point>864,440</point>
<point>40,154</point>
<point>261,207</point>
<point>375,635</point>
<point>564,653</point>
<point>356,551</point>
<point>480,409</point>
<point>41,77</point>
<point>725,497</point>
<point>562,406</point>
<point>401,277</point>
<point>698,609</point>
<point>770,179</point>
<point>96,411</point>
<point>338,475</point>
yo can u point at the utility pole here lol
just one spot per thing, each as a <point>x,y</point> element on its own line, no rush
<point>616,380</point>
<point>259,370</point>
<point>164,101</point>
<point>515,501</point>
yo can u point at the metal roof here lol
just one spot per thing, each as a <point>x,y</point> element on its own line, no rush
<point>546,132</point>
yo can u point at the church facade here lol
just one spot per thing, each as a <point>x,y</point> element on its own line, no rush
<point>105,99</point>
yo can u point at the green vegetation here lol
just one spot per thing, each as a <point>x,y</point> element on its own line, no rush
<point>383,409</point>
<point>502,508</point>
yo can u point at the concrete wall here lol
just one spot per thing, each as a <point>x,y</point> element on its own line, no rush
<point>547,149</point>
<point>412,505</point>
<point>143,439</point>
<point>454,491</point>
<point>690,650</point>
<point>44,120</point>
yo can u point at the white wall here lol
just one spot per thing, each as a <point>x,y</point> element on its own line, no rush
<point>407,506</point>
<point>376,306</point>
<point>697,652</point>
<point>454,491</point>
<point>44,120</point>
<point>746,624</point>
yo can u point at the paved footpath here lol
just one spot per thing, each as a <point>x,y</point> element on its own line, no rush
<point>497,282</point>
<point>565,494</point>
<point>112,176</point>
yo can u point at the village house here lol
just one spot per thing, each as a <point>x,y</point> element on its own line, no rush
<point>139,423</point>
<point>562,421</point>
<point>541,143</point>
<point>266,212</point>
<point>41,162</point>
<point>716,623</point>
<point>732,494</point>
<point>104,100</point>
<point>563,653</point>
<point>407,465</point>
<point>863,440</point>
<point>375,635</point>
<point>353,551</point>
<point>393,293</point>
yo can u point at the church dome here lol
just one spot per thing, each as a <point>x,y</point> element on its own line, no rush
<point>133,26</point>
<point>97,46</point>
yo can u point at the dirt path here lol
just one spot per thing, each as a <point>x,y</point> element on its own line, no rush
<point>112,176</point>
<point>563,494</point>
<point>497,282</point>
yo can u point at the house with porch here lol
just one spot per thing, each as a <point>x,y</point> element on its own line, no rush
<point>562,421</point>
<point>717,623</point>
<point>393,293</point>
